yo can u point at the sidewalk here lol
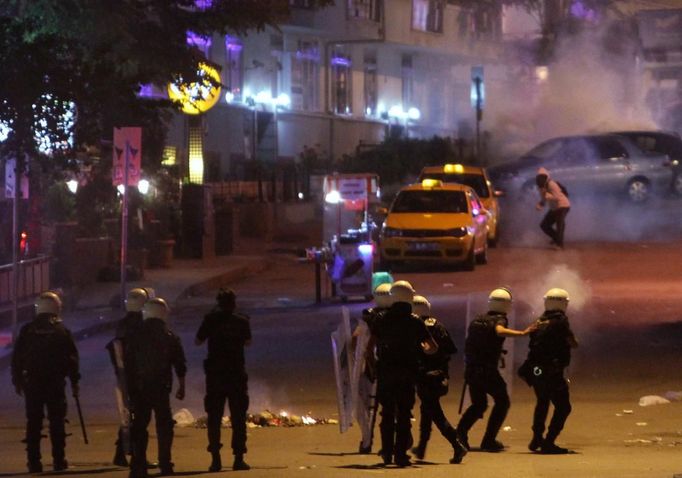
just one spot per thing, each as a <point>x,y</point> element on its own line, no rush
<point>97,309</point>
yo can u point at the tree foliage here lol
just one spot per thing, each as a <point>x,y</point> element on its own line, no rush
<point>95,54</point>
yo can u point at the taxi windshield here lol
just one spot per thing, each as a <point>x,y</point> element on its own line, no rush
<point>430,201</point>
<point>474,181</point>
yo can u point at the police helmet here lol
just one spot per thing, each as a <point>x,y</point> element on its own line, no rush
<point>421,306</point>
<point>136,299</point>
<point>156,308</point>
<point>402,291</point>
<point>500,300</point>
<point>382,295</point>
<point>48,303</point>
<point>556,299</point>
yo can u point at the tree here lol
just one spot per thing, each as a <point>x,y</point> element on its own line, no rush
<point>89,58</point>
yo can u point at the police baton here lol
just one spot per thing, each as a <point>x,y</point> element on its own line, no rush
<point>80,418</point>
<point>461,398</point>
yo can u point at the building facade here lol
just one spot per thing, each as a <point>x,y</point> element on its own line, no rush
<point>335,78</point>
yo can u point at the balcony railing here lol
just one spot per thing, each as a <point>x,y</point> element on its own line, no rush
<point>33,278</point>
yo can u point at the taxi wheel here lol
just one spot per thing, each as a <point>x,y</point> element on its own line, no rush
<point>482,257</point>
<point>470,261</point>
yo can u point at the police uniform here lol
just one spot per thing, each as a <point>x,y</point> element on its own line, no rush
<point>432,383</point>
<point>44,354</point>
<point>150,357</point>
<point>549,354</point>
<point>226,379</point>
<point>398,335</point>
<point>483,348</point>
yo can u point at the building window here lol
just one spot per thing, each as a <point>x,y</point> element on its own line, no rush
<point>366,9</point>
<point>407,80</point>
<point>234,71</point>
<point>427,15</point>
<point>341,84</point>
<point>305,68</point>
<point>371,85</point>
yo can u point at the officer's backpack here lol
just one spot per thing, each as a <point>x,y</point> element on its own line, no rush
<point>481,339</point>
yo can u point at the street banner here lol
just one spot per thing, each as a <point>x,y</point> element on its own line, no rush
<point>343,366</point>
<point>10,166</point>
<point>132,137</point>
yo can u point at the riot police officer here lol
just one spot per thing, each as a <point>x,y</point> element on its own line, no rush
<point>150,357</point>
<point>227,334</point>
<point>548,355</point>
<point>483,349</point>
<point>366,404</point>
<point>128,326</point>
<point>399,337</point>
<point>432,383</point>
<point>44,355</point>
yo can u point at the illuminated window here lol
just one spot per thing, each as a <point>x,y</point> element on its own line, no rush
<point>169,156</point>
<point>427,15</point>
<point>305,71</point>
<point>367,9</point>
<point>341,84</point>
<point>196,155</point>
<point>371,86</point>
<point>234,71</point>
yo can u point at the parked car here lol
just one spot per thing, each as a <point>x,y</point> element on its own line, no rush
<point>605,163</point>
<point>476,178</point>
<point>435,222</point>
<point>661,142</point>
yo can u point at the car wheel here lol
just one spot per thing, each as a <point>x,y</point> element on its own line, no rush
<point>638,190</point>
<point>470,261</point>
<point>677,185</point>
<point>492,241</point>
<point>482,257</point>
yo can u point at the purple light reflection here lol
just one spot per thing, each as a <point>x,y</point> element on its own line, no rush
<point>233,43</point>
<point>203,4</point>
<point>340,61</point>
<point>200,41</point>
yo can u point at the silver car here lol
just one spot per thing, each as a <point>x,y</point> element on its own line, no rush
<point>589,164</point>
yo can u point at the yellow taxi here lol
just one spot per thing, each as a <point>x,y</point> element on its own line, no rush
<point>475,177</point>
<point>435,222</point>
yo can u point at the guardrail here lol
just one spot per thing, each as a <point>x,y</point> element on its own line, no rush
<point>33,278</point>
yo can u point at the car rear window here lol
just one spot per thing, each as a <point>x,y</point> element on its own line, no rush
<point>608,148</point>
<point>430,201</point>
<point>474,181</point>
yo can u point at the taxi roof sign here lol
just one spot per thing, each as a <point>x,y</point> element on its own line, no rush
<point>432,183</point>
<point>453,168</point>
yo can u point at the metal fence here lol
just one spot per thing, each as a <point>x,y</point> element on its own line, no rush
<point>33,278</point>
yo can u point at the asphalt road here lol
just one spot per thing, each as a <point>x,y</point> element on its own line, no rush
<point>624,309</point>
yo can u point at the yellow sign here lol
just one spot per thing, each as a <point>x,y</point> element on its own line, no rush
<point>200,96</point>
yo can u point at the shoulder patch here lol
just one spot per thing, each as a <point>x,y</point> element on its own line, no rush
<point>430,322</point>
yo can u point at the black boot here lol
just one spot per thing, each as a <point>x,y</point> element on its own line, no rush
<point>60,464</point>
<point>120,458</point>
<point>491,445</point>
<point>35,467</point>
<point>460,452</point>
<point>550,448</point>
<point>419,451</point>
<point>535,443</point>
<point>216,463</point>
<point>239,463</point>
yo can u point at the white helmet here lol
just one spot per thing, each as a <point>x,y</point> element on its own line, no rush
<point>382,295</point>
<point>136,299</point>
<point>421,306</point>
<point>556,299</point>
<point>402,291</point>
<point>500,300</point>
<point>156,309</point>
<point>48,303</point>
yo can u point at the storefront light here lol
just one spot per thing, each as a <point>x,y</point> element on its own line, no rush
<point>143,186</point>
<point>414,113</point>
<point>72,184</point>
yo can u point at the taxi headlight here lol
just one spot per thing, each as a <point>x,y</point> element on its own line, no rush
<point>457,232</point>
<point>392,232</point>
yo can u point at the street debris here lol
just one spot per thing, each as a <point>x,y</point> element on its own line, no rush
<point>508,429</point>
<point>649,400</point>
<point>266,418</point>
<point>641,424</point>
<point>628,412</point>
